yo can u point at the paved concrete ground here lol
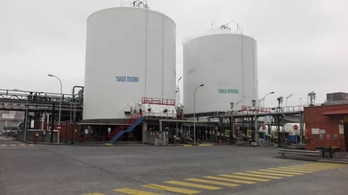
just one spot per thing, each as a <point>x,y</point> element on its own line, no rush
<point>56,170</point>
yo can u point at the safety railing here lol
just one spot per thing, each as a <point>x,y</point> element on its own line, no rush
<point>261,110</point>
<point>121,127</point>
<point>158,101</point>
<point>283,151</point>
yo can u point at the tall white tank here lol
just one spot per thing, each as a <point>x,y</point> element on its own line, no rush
<point>226,63</point>
<point>131,53</point>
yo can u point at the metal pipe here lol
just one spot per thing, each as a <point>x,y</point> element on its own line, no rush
<point>52,123</point>
<point>26,121</point>
<point>74,113</point>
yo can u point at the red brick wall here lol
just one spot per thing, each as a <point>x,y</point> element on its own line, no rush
<point>314,119</point>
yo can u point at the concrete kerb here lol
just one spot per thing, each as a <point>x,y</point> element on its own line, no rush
<point>122,144</point>
<point>306,158</point>
<point>79,144</point>
<point>334,160</point>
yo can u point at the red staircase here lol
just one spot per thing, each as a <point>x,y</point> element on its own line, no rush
<point>124,126</point>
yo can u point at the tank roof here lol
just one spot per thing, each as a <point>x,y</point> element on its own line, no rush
<point>213,31</point>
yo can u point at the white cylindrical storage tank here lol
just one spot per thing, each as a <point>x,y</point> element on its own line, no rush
<point>130,54</point>
<point>226,64</point>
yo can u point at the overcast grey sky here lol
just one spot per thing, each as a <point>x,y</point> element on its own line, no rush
<point>302,44</point>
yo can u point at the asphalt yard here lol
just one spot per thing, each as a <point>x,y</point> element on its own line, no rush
<point>148,170</point>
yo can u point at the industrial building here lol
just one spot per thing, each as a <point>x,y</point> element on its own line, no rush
<point>327,125</point>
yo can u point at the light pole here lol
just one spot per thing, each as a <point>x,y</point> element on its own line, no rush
<point>263,99</point>
<point>60,99</point>
<point>286,100</point>
<point>26,116</point>
<point>300,101</point>
<point>177,91</point>
<point>194,114</point>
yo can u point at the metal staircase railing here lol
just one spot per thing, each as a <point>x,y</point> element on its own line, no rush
<point>124,126</point>
<point>118,132</point>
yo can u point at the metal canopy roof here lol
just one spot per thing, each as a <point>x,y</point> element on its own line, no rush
<point>336,112</point>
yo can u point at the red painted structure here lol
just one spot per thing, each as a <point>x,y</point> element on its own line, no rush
<point>65,131</point>
<point>332,122</point>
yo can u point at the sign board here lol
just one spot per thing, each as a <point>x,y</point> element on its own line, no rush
<point>340,129</point>
<point>321,136</point>
<point>8,116</point>
<point>335,137</point>
<point>322,131</point>
<point>295,127</point>
<point>345,119</point>
<point>268,120</point>
<point>315,131</point>
<point>230,91</point>
<point>127,79</point>
<point>263,127</point>
<point>327,136</point>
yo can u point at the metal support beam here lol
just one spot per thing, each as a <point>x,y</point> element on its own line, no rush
<point>301,126</point>
<point>144,130</point>
<point>256,131</point>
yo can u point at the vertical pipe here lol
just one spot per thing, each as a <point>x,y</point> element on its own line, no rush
<point>256,131</point>
<point>146,22</point>
<point>278,130</point>
<point>66,132</point>
<point>26,121</point>
<point>301,127</point>
<point>43,121</point>
<point>6,130</point>
<point>74,119</point>
<point>243,130</point>
<point>243,68</point>
<point>163,59</point>
<point>194,117</point>
<point>52,122</point>
<point>48,123</point>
